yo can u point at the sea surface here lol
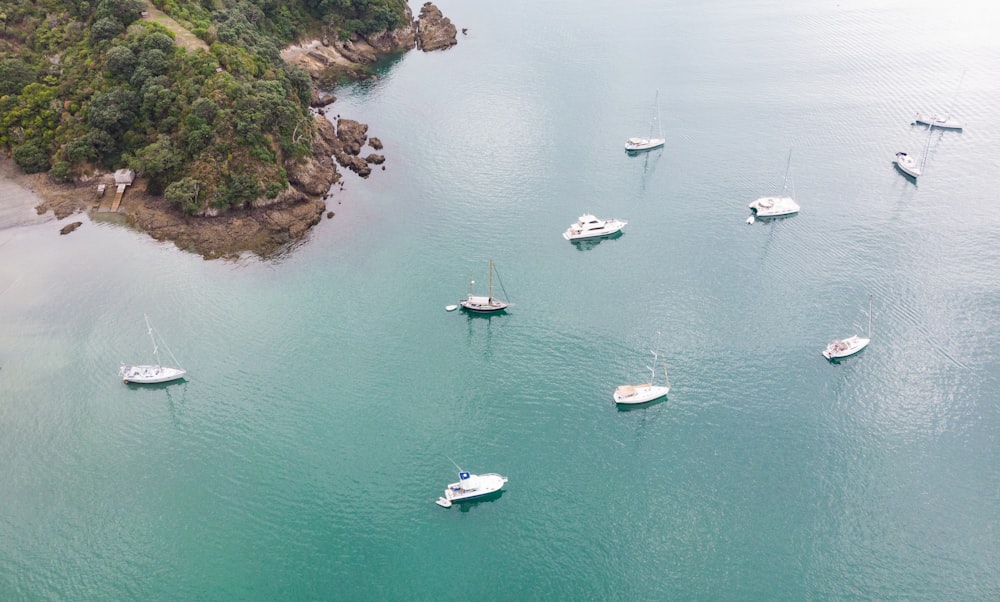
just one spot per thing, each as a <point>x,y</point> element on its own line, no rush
<point>329,392</point>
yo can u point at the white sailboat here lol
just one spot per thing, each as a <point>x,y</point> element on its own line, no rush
<point>483,305</point>
<point>149,374</point>
<point>646,392</point>
<point>778,205</point>
<point>942,123</point>
<point>841,348</point>
<point>908,165</point>
<point>649,142</point>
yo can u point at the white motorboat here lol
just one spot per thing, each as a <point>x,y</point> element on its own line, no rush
<point>150,374</point>
<point>650,142</point>
<point>646,392</point>
<point>480,304</point>
<point>907,164</point>
<point>841,348</point>
<point>777,205</point>
<point>943,123</point>
<point>471,487</point>
<point>588,226</point>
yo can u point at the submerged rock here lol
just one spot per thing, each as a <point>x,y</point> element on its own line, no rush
<point>69,228</point>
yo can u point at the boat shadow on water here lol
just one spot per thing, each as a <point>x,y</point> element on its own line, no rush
<point>155,386</point>
<point>486,499</point>
<point>475,315</point>
<point>626,407</point>
<point>900,171</point>
<point>845,360</point>
<point>587,244</point>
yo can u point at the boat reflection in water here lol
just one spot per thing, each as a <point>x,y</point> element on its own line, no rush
<point>587,244</point>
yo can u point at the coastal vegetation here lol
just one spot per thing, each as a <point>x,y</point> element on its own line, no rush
<point>92,86</point>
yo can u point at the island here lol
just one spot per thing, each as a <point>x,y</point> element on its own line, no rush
<point>207,127</point>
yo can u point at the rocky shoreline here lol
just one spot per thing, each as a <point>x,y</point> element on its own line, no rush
<point>267,227</point>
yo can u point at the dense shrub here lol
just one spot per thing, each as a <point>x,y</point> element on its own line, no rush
<point>31,157</point>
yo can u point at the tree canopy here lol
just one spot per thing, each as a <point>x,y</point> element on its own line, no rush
<point>87,85</point>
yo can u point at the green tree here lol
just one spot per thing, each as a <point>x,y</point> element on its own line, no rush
<point>120,62</point>
<point>184,193</point>
<point>15,74</point>
<point>62,170</point>
<point>105,28</point>
<point>125,11</point>
<point>31,157</point>
<point>158,159</point>
<point>113,111</point>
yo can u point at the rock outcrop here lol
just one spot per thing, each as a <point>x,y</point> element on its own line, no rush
<point>351,136</point>
<point>314,175</point>
<point>434,30</point>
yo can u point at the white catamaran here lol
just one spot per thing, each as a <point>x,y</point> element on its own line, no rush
<point>779,205</point>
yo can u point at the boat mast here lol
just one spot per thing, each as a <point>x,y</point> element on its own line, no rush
<point>491,279</point>
<point>955,99</point>
<point>656,117</point>
<point>156,350</point>
<point>923,162</point>
<point>788,166</point>
<point>869,316</point>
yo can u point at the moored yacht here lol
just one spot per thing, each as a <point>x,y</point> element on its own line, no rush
<point>471,487</point>
<point>480,304</point>
<point>646,392</point>
<point>774,206</point>
<point>588,226</point>
<point>907,164</point>
<point>840,348</point>
<point>778,205</point>
<point>943,123</point>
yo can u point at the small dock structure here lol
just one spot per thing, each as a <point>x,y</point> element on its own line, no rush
<point>123,179</point>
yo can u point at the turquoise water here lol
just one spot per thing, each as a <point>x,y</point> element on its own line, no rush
<point>328,389</point>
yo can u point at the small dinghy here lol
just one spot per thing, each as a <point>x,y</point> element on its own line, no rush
<point>450,307</point>
<point>471,487</point>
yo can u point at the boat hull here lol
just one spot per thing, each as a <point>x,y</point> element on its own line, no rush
<point>634,145</point>
<point>611,227</point>
<point>907,165</point>
<point>634,395</point>
<point>148,375</point>
<point>941,124</point>
<point>486,486</point>
<point>484,308</point>
<point>777,206</point>
<point>845,348</point>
